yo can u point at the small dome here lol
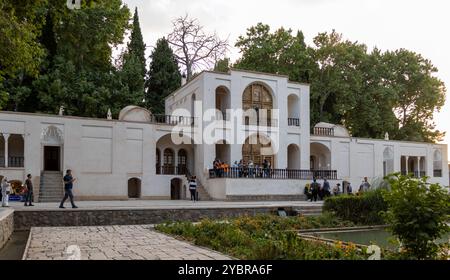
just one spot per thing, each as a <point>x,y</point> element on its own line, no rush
<point>135,114</point>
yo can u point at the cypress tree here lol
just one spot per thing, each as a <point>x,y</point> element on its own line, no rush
<point>133,67</point>
<point>164,76</point>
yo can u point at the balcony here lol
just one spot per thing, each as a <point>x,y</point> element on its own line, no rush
<point>250,173</point>
<point>323,131</point>
<point>171,170</point>
<point>293,122</point>
<point>437,173</point>
<point>172,120</point>
<point>415,174</point>
<point>13,162</point>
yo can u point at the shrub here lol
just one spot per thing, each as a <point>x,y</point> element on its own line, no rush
<point>417,215</point>
<point>365,209</point>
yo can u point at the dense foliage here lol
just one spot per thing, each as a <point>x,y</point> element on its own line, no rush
<point>417,214</point>
<point>363,209</point>
<point>163,77</point>
<point>370,92</point>
<point>52,56</point>
<point>264,237</point>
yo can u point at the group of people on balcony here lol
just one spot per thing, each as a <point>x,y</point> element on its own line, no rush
<point>241,169</point>
<point>315,190</point>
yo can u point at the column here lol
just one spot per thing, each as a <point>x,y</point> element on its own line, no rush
<point>6,136</point>
<point>418,167</point>
<point>407,167</point>
<point>23,150</point>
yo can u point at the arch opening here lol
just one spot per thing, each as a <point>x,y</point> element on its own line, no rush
<point>134,188</point>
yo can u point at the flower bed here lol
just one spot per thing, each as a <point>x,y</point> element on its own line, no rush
<point>265,237</point>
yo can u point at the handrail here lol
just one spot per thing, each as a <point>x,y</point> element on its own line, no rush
<point>246,172</point>
<point>293,122</point>
<point>172,120</point>
<point>323,131</point>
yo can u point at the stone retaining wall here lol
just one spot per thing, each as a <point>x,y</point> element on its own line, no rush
<point>6,225</point>
<point>266,197</point>
<point>24,220</point>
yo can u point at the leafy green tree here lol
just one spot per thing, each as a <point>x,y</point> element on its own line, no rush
<point>372,115</point>
<point>20,52</point>
<point>337,78</point>
<point>81,76</point>
<point>278,52</point>
<point>163,77</point>
<point>417,214</point>
<point>419,93</point>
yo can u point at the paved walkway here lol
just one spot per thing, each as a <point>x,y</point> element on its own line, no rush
<point>164,204</point>
<point>111,243</point>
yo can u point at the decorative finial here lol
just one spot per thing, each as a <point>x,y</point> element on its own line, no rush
<point>386,136</point>
<point>61,110</point>
<point>109,116</point>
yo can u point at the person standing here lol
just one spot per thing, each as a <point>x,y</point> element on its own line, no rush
<point>29,195</point>
<point>68,185</point>
<point>336,189</point>
<point>307,192</point>
<point>6,189</point>
<point>349,189</point>
<point>365,186</point>
<point>314,189</point>
<point>193,188</point>
<point>326,188</point>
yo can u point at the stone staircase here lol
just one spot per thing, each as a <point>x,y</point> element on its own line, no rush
<point>51,186</point>
<point>202,193</point>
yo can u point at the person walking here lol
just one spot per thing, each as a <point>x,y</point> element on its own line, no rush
<point>29,195</point>
<point>193,188</point>
<point>6,189</point>
<point>314,189</point>
<point>68,185</point>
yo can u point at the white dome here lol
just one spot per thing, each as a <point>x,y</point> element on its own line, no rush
<point>135,114</point>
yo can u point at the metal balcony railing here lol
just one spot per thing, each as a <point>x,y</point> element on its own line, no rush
<point>172,120</point>
<point>437,173</point>
<point>245,172</point>
<point>293,122</point>
<point>415,174</point>
<point>171,170</point>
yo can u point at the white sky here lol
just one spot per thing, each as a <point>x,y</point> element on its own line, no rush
<point>420,26</point>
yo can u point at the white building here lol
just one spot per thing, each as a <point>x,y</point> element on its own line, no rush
<point>138,156</point>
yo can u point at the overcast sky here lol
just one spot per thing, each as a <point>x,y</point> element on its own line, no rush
<point>420,26</point>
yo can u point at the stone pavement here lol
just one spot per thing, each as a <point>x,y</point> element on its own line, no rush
<point>134,242</point>
<point>163,204</point>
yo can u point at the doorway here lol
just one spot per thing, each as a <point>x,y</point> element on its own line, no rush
<point>52,156</point>
<point>175,189</point>
<point>134,188</point>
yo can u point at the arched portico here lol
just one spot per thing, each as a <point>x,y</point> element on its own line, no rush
<point>173,158</point>
<point>320,156</point>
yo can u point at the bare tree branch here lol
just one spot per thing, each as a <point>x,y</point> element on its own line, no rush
<point>193,48</point>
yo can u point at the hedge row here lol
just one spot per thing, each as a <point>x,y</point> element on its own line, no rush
<point>364,209</point>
